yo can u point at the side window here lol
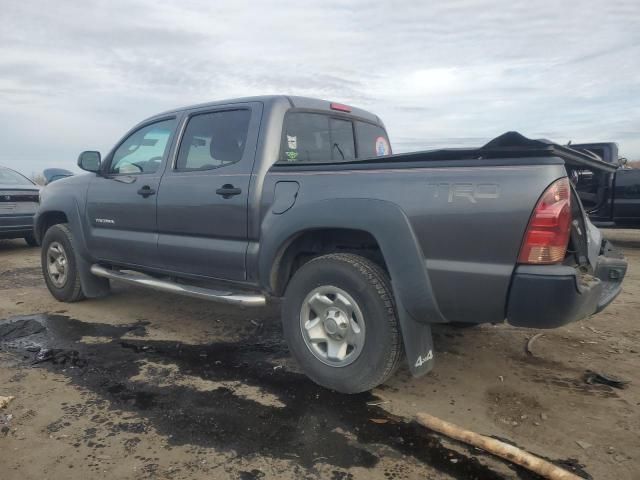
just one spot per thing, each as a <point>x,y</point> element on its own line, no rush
<point>314,137</point>
<point>212,140</point>
<point>372,140</point>
<point>144,150</point>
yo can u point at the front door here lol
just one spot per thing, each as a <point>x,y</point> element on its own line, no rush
<point>202,202</point>
<point>121,203</point>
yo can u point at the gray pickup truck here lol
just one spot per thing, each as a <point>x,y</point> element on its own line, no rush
<point>301,200</point>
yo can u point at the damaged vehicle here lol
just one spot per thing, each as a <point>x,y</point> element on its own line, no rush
<point>301,201</point>
<point>19,198</point>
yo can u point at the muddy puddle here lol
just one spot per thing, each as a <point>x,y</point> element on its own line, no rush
<point>237,397</point>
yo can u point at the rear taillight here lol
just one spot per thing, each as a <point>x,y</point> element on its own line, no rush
<point>548,232</point>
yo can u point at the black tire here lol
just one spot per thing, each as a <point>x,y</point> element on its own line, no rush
<point>70,290</point>
<point>31,240</point>
<point>370,288</point>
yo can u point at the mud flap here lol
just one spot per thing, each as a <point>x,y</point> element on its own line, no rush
<point>418,344</point>
<point>92,286</point>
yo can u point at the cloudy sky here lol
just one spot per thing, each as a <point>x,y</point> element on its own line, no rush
<point>77,75</point>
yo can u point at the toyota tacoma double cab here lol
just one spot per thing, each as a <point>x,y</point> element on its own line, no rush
<point>301,201</point>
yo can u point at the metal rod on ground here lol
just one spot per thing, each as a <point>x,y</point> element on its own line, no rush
<point>498,448</point>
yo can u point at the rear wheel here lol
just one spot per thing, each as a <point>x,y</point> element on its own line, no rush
<point>59,264</point>
<point>340,323</point>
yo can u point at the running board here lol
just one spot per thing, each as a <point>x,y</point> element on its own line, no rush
<point>243,299</point>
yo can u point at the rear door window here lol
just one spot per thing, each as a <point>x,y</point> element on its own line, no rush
<point>317,138</point>
<point>212,140</point>
<point>372,140</point>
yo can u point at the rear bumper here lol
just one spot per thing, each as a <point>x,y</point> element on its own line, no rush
<point>548,296</point>
<point>15,226</point>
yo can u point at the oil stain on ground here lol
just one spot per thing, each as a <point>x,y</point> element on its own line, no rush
<point>307,423</point>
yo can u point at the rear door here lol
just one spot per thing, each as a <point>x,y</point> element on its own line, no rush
<point>121,203</point>
<point>202,202</point>
<point>627,196</point>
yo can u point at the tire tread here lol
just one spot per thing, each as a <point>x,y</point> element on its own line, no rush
<point>75,294</point>
<point>378,279</point>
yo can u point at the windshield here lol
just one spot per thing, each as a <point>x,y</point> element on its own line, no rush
<point>9,177</point>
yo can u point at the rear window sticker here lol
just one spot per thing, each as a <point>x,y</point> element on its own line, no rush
<point>292,142</point>
<point>382,147</point>
<point>292,156</point>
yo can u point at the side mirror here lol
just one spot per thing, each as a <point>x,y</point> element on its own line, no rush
<point>622,161</point>
<point>89,161</point>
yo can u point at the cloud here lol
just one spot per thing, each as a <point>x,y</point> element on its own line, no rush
<point>78,75</point>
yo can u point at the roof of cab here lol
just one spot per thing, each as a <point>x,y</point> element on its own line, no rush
<point>294,102</point>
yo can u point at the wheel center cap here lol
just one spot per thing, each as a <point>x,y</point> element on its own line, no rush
<point>330,326</point>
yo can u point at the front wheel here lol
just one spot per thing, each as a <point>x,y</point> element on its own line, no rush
<point>59,265</point>
<point>340,322</point>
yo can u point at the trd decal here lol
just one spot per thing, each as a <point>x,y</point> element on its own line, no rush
<point>471,192</point>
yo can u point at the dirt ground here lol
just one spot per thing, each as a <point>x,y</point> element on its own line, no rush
<point>149,385</point>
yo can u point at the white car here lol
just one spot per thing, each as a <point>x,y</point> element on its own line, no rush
<point>19,198</point>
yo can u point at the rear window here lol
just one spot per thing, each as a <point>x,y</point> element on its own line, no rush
<point>312,137</point>
<point>372,140</point>
<point>321,138</point>
<point>9,177</point>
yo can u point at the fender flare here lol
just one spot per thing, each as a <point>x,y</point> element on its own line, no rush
<point>415,302</point>
<point>384,220</point>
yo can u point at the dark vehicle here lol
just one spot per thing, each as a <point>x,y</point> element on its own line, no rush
<point>611,198</point>
<point>19,198</point>
<point>290,198</point>
<point>53,174</point>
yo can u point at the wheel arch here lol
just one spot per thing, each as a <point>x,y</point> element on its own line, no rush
<point>48,219</point>
<point>306,244</point>
<point>68,212</point>
<point>383,223</point>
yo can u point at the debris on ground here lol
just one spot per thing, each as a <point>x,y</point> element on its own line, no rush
<point>378,420</point>
<point>598,332</point>
<point>583,444</point>
<point>497,448</point>
<point>60,357</point>
<point>377,403</point>
<point>4,401</point>
<point>592,377</point>
<point>529,346</point>
<point>5,424</point>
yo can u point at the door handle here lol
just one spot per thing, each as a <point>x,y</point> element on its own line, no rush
<point>146,191</point>
<point>228,191</point>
